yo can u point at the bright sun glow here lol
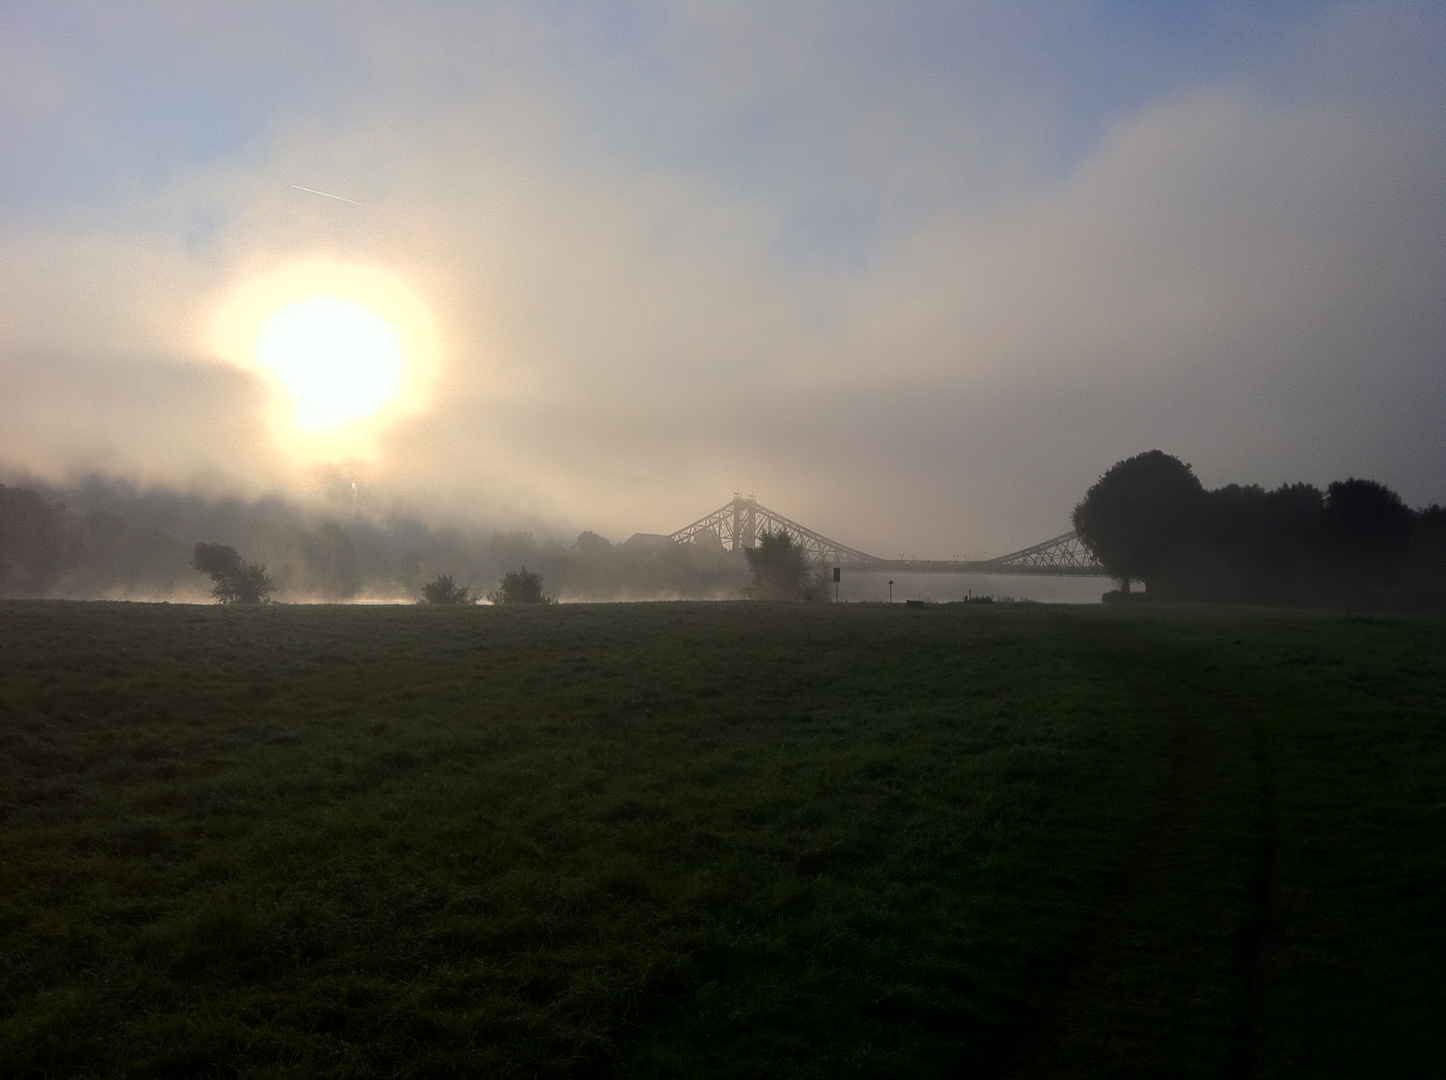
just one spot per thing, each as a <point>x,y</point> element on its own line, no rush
<point>348,350</point>
<point>336,357</point>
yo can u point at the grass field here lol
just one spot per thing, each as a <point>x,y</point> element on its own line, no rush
<point>720,840</point>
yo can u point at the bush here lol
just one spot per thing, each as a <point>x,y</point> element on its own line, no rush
<point>443,590</point>
<point>520,587</point>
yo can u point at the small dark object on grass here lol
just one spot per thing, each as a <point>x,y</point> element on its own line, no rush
<point>520,587</point>
<point>237,582</point>
<point>443,590</point>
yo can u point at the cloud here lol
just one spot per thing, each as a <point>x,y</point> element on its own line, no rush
<point>150,419</point>
<point>881,279</point>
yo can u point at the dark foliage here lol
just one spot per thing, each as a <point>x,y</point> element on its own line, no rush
<point>520,587</point>
<point>1140,513</point>
<point>236,581</point>
<point>1366,535</point>
<point>443,590</point>
<point>1357,544</point>
<point>780,568</point>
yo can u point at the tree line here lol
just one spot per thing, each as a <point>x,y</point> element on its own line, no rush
<point>1355,544</point>
<point>103,539</point>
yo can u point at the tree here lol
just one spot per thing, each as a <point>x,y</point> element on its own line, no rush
<point>236,582</point>
<point>780,567</point>
<point>520,587</point>
<point>1427,565</point>
<point>443,590</point>
<point>1140,516</point>
<point>1253,544</point>
<point>34,545</point>
<point>590,543</point>
<point>1366,535</point>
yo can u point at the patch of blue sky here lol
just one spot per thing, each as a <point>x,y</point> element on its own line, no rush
<point>1038,86</point>
<point>138,110</point>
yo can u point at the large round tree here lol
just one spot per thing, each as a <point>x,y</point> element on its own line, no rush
<point>1140,516</point>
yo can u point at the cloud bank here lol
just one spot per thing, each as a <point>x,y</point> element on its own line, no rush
<point>916,276</point>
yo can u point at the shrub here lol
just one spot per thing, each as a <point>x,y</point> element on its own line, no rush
<point>520,587</point>
<point>443,590</point>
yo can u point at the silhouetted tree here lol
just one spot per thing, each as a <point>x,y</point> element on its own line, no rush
<point>236,582</point>
<point>1426,565</point>
<point>1141,515</point>
<point>1356,543</point>
<point>780,567</point>
<point>1252,544</point>
<point>519,587</point>
<point>1365,535</point>
<point>443,590</point>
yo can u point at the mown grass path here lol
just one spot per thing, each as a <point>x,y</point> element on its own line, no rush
<point>721,840</point>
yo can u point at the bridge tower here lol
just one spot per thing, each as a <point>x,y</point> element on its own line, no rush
<point>745,521</point>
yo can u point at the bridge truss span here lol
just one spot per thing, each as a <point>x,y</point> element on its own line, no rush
<point>1065,554</point>
<point>738,524</point>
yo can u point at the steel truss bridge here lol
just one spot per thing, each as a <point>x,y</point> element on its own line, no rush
<point>738,524</point>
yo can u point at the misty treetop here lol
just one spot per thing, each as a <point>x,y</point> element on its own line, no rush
<point>1149,518</point>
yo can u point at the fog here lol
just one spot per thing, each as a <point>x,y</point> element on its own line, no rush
<point>915,276</point>
<point>100,539</point>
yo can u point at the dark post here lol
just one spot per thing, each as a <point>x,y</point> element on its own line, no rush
<point>837,573</point>
<point>891,590</point>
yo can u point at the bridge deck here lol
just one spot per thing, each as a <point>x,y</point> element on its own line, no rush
<point>953,566</point>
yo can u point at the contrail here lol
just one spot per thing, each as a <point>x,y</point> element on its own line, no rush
<point>329,195</point>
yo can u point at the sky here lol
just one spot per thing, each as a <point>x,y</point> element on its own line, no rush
<point>914,274</point>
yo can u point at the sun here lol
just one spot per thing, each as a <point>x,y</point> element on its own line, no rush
<point>348,349</point>
<point>339,359</point>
